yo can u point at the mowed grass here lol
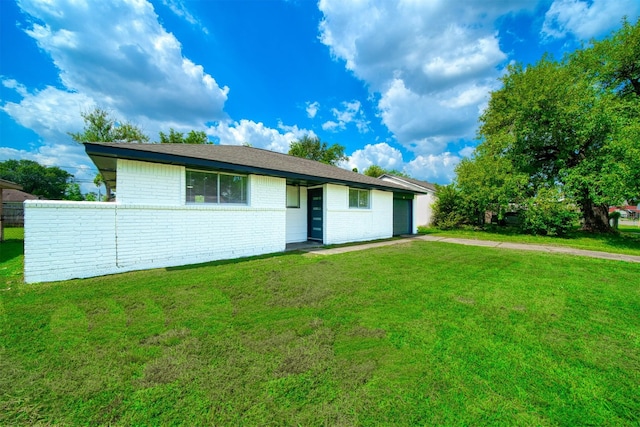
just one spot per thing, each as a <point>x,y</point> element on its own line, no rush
<point>412,334</point>
<point>625,241</point>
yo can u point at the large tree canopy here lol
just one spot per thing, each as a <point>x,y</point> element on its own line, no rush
<point>572,126</point>
<point>313,149</point>
<point>101,127</point>
<point>50,182</point>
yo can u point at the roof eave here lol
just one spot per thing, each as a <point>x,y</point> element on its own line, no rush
<point>421,188</point>
<point>104,151</point>
<point>9,185</point>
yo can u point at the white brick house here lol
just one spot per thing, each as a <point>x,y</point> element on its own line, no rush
<point>179,204</point>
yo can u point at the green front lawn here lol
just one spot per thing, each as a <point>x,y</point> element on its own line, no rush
<point>412,334</point>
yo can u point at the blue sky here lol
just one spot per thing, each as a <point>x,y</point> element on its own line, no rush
<point>399,83</point>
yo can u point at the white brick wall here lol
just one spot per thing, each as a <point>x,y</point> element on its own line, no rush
<point>150,183</point>
<point>150,226</point>
<point>352,225</point>
<point>297,220</point>
<point>423,207</point>
<point>267,192</point>
<point>65,240</point>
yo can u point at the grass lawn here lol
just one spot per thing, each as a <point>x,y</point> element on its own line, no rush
<point>411,334</point>
<point>626,241</point>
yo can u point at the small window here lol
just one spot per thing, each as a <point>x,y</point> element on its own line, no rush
<point>293,196</point>
<point>211,187</point>
<point>358,199</point>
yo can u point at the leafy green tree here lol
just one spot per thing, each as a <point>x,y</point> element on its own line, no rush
<point>73,192</point>
<point>614,60</point>
<point>376,171</point>
<point>49,182</point>
<point>313,149</point>
<point>193,137</point>
<point>573,124</point>
<point>101,127</point>
<point>489,183</point>
<point>98,181</point>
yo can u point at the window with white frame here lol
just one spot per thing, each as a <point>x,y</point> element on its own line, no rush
<point>293,196</point>
<point>359,199</point>
<point>214,187</point>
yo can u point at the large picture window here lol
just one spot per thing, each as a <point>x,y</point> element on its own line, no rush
<point>358,199</point>
<point>212,187</point>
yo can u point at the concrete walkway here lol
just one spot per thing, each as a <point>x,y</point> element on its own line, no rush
<point>485,243</point>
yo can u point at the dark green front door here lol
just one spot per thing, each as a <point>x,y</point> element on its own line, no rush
<point>314,214</point>
<point>401,216</point>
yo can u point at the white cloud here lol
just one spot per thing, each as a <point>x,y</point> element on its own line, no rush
<point>433,63</point>
<point>381,154</point>
<point>381,40</point>
<point>50,112</point>
<point>420,121</point>
<point>257,134</point>
<point>180,9</point>
<point>433,168</point>
<point>128,62</point>
<point>587,19</point>
<point>330,125</point>
<point>312,109</point>
<point>351,112</point>
<point>15,85</point>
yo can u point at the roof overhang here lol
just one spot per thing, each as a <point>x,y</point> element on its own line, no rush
<point>105,158</point>
<point>4,184</point>
<point>409,184</point>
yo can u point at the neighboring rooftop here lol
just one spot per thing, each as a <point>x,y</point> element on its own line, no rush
<point>9,185</point>
<point>232,158</point>
<point>11,195</point>
<point>411,183</point>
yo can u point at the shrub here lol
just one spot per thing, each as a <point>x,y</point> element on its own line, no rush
<point>548,214</point>
<point>448,211</point>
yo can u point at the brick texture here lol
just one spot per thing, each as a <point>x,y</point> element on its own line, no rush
<point>65,240</point>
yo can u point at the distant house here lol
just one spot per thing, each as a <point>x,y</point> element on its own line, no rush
<point>180,204</point>
<point>13,208</point>
<point>626,211</point>
<point>422,204</point>
<point>5,185</point>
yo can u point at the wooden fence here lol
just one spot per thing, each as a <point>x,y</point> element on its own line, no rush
<point>13,214</point>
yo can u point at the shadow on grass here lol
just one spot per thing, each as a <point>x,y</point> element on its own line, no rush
<point>233,261</point>
<point>10,249</point>
<point>621,240</point>
<point>274,255</point>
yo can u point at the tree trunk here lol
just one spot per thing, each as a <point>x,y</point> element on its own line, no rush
<point>595,217</point>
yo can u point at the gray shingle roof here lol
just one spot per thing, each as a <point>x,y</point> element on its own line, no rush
<point>232,158</point>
